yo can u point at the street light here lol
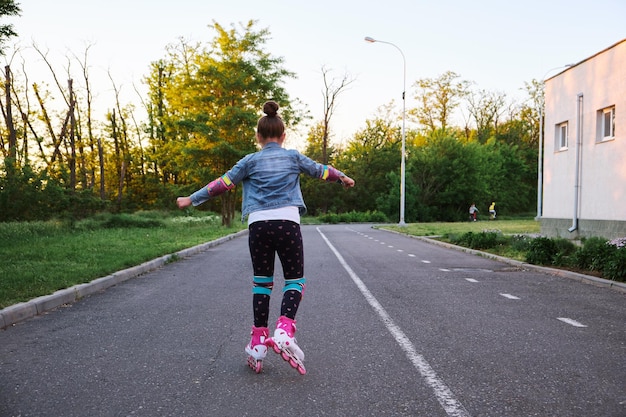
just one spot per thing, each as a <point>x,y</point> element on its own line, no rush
<point>402,163</point>
<point>540,155</point>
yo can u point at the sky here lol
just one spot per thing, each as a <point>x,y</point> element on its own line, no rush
<point>497,45</point>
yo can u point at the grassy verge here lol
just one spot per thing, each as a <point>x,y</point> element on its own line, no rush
<point>449,231</point>
<point>517,226</point>
<point>519,239</point>
<point>39,258</point>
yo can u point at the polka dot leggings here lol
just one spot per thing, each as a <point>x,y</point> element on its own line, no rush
<point>266,239</point>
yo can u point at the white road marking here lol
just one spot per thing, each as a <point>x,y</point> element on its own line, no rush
<point>450,404</point>
<point>571,322</point>
<point>471,280</point>
<point>411,255</point>
<point>400,250</point>
<point>510,297</point>
<point>424,261</point>
<point>444,269</point>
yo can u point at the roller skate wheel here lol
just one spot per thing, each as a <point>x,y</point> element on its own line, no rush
<point>255,364</point>
<point>293,363</point>
<point>285,356</point>
<point>301,370</point>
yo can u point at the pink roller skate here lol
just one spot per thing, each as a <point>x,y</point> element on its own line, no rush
<point>284,343</point>
<point>257,348</point>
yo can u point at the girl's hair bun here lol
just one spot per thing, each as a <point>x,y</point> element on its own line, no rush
<point>270,108</point>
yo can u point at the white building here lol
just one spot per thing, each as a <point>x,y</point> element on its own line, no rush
<point>584,170</point>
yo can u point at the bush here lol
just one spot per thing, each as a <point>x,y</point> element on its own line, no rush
<point>482,240</point>
<point>565,248</point>
<point>594,254</point>
<point>541,251</point>
<point>520,243</point>
<point>616,266</point>
<point>354,217</point>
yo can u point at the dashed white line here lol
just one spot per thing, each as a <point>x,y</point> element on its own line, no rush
<point>424,261</point>
<point>444,269</point>
<point>509,296</point>
<point>450,404</point>
<point>571,322</point>
<point>471,280</point>
<point>411,255</point>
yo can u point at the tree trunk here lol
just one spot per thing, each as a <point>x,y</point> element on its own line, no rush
<point>9,117</point>
<point>72,138</point>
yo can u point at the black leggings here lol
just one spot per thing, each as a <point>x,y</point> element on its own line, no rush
<point>266,239</point>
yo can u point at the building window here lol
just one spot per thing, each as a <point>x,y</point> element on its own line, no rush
<point>561,136</point>
<point>606,124</point>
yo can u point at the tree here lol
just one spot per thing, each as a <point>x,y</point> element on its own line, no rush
<point>209,99</point>
<point>331,91</point>
<point>7,8</point>
<point>486,108</point>
<point>438,97</point>
<point>369,157</point>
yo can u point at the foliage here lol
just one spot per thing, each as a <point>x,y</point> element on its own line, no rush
<point>615,267</point>
<point>7,8</point>
<point>207,101</point>
<point>353,217</point>
<point>593,254</point>
<point>546,251</point>
<point>482,240</point>
<point>203,102</point>
<point>541,251</point>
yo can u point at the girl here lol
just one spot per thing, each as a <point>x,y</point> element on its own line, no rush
<point>273,202</point>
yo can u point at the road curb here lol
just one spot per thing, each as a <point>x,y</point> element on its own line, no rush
<point>587,279</point>
<point>26,310</point>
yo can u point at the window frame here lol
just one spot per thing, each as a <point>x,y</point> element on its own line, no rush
<point>603,126</point>
<point>562,136</point>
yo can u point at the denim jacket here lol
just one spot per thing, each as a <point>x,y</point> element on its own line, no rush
<point>271,179</point>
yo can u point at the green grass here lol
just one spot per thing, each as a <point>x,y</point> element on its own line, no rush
<point>39,258</point>
<point>516,226</point>
<point>448,231</point>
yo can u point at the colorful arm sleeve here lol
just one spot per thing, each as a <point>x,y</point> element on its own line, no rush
<point>220,186</point>
<point>331,174</point>
<point>213,189</point>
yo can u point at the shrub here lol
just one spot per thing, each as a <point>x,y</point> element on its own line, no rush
<point>615,268</point>
<point>565,248</point>
<point>593,255</point>
<point>541,251</point>
<point>483,240</point>
<point>520,243</point>
<point>354,217</point>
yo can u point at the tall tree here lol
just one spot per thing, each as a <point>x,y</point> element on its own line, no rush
<point>212,96</point>
<point>332,89</point>
<point>7,8</point>
<point>438,98</point>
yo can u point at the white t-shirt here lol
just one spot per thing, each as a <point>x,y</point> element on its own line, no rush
<point>291,213</point>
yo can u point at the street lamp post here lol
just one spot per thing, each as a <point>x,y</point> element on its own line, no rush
<point>541,134</point>
<point>403,161</point>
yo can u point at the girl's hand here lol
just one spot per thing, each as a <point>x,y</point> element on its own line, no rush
<point>347,182</point>
<point>183,202</point>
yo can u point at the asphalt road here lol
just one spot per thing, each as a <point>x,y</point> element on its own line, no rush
<point>391,326</point>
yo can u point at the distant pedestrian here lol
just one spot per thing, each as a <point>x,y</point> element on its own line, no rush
<point>473,212</point>
<point>492,210</point>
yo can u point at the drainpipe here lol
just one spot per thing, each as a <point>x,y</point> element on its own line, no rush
<point>579,141</point>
